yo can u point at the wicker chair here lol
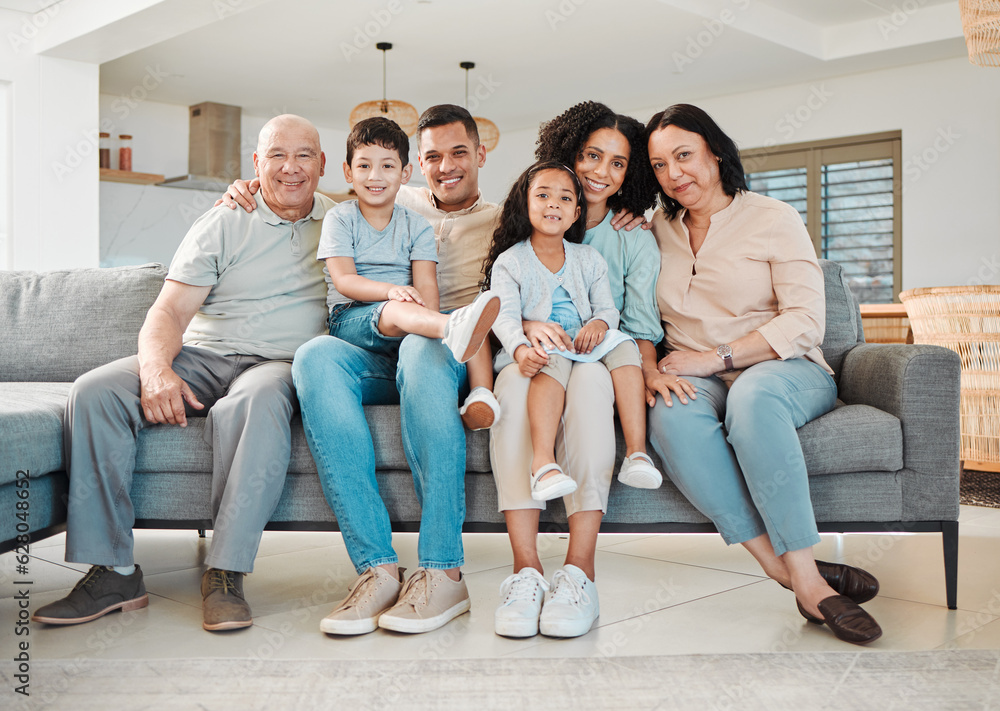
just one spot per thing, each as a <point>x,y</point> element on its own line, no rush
<point>966,319</point>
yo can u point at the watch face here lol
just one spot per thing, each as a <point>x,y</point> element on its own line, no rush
<point>724,351</point>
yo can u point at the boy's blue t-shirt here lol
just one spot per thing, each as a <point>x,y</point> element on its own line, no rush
<point>379,255</point>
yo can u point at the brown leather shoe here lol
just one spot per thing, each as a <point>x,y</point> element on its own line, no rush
<point>846,619</point>
<point>223,606</point>
<point>855,583</point>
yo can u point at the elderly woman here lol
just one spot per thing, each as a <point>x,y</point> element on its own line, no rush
<point>741,296</point>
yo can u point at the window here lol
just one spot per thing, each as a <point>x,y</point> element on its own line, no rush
<point>848,193</point>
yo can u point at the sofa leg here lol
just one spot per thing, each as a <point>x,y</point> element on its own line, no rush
<point>201,533</point>
<point>949,531</point>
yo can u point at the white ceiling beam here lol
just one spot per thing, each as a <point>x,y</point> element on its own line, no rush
<point>98,31</point>
<point>759,19</point>
<point>908,25</point>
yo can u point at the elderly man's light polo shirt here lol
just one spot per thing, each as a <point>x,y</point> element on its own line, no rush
<point>463,237</point>
<point>268,294</point>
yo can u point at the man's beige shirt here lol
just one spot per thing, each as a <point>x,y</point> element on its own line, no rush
<point>463,238</point>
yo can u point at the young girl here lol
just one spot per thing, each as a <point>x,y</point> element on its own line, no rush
<point>541,272</point>
<point>608,153</point>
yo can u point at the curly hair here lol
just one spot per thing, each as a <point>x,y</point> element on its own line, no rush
<point>564,137</point>
<point>691,118</point>
<point>514,226</point>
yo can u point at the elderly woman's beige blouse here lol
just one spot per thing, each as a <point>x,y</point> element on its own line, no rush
<point>756,270</point>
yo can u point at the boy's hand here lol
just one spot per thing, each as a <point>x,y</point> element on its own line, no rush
<point>404,293</point>
<point>240,193</point>
<point>530,360</point>
<point>590,335</point>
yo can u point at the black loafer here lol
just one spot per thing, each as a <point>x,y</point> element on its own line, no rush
<point>846,619</point>
<point>857,584</point>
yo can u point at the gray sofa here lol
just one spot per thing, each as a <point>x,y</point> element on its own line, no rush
<point>885,460</point>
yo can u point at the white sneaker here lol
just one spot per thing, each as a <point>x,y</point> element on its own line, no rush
<point>572,606</point>
<point>522,593</point>
<point>469,326</point>
<point>638,471</point>
<point>552,486</point>
<point>481,409</point>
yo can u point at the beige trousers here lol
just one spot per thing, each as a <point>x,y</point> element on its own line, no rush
<point>585,442</point>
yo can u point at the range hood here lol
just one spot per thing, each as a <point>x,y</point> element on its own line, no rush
<point>213,148</point>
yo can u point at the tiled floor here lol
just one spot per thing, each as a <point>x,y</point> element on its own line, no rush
<point>667,594</point>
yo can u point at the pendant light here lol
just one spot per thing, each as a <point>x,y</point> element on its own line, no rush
<point>489,134</point>
<point>399,111</point>
<point>981,26</point>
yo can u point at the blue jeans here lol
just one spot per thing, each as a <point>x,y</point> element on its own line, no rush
<point>735,453</point>
<point>334,380</point>
<point>357,322</point>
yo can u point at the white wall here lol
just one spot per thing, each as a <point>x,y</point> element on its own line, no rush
<point>145,223</point>
<point>949,115</point>
<point>5,174</point>
<point>54,198</point>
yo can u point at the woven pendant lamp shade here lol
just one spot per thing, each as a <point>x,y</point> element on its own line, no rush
<point>981,26</point>
<point>489,134</point>
<point>399,111</point>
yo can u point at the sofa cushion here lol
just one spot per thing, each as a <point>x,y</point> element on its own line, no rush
<point>852,438</point>
<point>174,449</point>
<point>58,325</point>
<point>31,418</point>
<point>843,317</point>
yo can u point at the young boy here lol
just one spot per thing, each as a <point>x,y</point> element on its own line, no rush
<point>381,268</point>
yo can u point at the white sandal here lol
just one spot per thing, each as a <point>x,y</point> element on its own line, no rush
<point>559,484</point>
<point>638,471</point>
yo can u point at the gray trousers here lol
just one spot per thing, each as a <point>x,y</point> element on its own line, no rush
<point>249,402</point>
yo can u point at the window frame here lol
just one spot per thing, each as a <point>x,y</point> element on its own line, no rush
<point>812,155</point>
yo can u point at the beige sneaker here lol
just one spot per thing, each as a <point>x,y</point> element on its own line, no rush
<point>429,599</point>
<point>374,592</point>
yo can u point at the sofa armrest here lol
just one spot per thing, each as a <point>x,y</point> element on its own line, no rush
<point>920,385</point>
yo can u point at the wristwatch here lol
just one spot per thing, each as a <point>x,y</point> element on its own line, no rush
<point>725,352</point>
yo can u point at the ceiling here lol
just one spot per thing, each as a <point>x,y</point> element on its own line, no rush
<point>533,58</point>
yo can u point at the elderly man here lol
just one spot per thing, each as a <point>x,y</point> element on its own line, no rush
<point>335,379</point>
<point>243,292</point>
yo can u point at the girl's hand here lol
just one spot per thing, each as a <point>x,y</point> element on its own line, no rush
<point>624,218</point>
<point>545,334</point>
<point>590,335</point>
<point>700,365</point>
<point>665,383</point>
<point>404,293</point>
<point>530,360</point>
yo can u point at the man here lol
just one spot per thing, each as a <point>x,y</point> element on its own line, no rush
<point>243,292</point>
<point>335,379</point>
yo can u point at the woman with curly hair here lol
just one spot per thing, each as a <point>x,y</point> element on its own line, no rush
<point>607,152</point>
